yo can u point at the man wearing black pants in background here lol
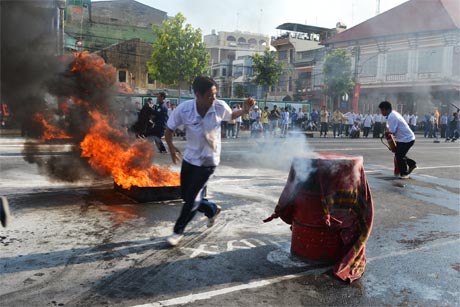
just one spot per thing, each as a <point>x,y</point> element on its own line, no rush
<point>404,138</point>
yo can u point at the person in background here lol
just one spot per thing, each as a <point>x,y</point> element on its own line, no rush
<point>264,120</point>
<point>202,118</point>
<point>404,138</point>
<point>324,119</point>
<point>274,116</point>
<point>355,131</point>
<point>413,121</point>
<point>4,211</point>
<point>444,121</point>
<point>337,118</point>
<point>161,117</point>
<point>453,128</point>
<point>368,121</point>
<point>284,121</point>
<point>257,128</point>
<point>238,121</point>
<point>230,133</point>
<point>144,120</point>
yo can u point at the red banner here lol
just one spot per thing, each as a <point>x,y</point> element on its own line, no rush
<point>356,97</point>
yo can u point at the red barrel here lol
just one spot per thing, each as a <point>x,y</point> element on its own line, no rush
<point>311,237</point>
<point>322,231</point>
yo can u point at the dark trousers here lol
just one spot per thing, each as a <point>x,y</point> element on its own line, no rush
<point>193,181</point>
<point>337,129</point>
<point>324,129</point>
<point>403,161</point>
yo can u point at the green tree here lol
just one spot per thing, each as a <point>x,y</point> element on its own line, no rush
<point>298,90</point>
<point>179,54</point>
<point>240,91</point>
<point>338,76</point>
<point>267,70</point>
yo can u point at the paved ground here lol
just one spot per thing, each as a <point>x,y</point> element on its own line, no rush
<point>85,245</point>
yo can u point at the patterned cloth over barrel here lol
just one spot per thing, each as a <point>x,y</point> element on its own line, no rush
<point>345,200</point>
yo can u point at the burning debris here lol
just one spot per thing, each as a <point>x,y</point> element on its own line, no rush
<point>68,98</point>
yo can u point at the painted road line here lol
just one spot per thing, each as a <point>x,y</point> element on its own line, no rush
<point>266,282</point>
<point>251,285</point>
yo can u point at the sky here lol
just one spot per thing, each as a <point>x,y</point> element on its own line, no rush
<point>263,16</point>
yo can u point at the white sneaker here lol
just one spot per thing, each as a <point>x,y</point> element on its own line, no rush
<point>174,239</point>
<point>404,177</point>
<point>212,220</point>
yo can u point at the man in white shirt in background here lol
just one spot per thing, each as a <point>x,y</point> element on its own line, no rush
<point>404,138</point>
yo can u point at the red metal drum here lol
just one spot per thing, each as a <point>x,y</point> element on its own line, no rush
<point>321,229</point>
<point>328,203</point>
<point>311,237</point>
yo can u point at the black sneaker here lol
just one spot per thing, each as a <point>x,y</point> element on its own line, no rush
<point>411,168</point>
<point>4,211</point>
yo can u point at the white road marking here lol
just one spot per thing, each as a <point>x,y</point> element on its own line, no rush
<point>266,282</point>
<point>209,294</point>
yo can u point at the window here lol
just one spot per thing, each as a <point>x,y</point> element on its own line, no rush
<point>282,55</point>
<point>231,39</point>
<point>122,76</point>
<point>224,72</point>
<point>291,56</point>
<point>430,60</point>
<point>397,63</point>
<point>369,65</point>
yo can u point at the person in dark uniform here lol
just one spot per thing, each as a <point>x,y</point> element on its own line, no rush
<point>160,120</point>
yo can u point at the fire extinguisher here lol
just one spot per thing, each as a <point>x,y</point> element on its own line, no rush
<point>391,146</point>
<point>391,141</point>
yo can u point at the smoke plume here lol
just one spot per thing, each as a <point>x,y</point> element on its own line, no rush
<point>61,89</point>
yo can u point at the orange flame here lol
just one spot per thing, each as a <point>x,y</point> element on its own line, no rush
<point>49,131</point>
<point>129,164</point>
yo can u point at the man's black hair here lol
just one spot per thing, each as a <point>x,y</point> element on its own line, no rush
<point>202,84</point>
<point>386,105</point>
<point>162,94</point>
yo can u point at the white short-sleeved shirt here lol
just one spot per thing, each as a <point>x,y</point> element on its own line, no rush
<point>203,133</point>
<point>399,128</point>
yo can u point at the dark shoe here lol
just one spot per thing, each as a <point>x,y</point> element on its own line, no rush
<point>411,168</point>
<point>4,211</point>
<point>212,220</point>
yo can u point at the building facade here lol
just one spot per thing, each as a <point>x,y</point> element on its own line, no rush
<point>409,55</point>
<point>298,47</point>
<point>224,49</point>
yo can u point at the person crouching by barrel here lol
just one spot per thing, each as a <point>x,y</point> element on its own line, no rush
<point>405,138</point>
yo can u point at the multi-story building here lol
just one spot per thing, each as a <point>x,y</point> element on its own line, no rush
<point>97,25</point>
<point>298,47</point>
<point>119,31</point>
<point>226,47</point>
<point>409,55</point>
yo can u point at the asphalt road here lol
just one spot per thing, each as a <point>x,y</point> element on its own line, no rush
<point>83,244</point>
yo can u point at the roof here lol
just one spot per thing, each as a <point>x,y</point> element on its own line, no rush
<point>298,27</point>
<point>410,17</point>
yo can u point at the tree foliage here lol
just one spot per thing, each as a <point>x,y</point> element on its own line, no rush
<point>267,69</point>
<point>338,76</point>
<point>178,52</point>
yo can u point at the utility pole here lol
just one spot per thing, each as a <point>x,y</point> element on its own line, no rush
<point>61,39</point>
<point>377,7</point>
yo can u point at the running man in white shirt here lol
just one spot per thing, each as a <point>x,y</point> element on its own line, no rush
<point>202,119</point>
<point>404,138</point>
